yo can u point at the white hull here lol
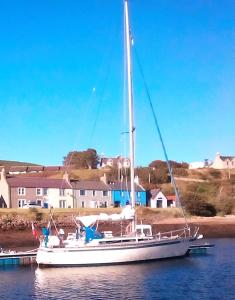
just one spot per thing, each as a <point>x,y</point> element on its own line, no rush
<point>113,254</point>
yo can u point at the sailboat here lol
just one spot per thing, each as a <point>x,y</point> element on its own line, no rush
<point>88,247</point>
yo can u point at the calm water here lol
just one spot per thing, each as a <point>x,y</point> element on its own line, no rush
<point>208,276</point>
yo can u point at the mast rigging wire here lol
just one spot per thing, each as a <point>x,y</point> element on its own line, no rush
<point>159,133</point>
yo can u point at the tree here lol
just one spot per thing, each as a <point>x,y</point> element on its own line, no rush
<point>151,175</point>
<point>87,159</point>
<point>160,164</point>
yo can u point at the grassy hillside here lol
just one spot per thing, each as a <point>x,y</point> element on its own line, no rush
<point>208,188</point>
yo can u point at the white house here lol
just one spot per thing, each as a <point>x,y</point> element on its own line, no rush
<point>197,165</point>
<point>120,162</point>
<point>15,191</point>
<point>223,162</point>
<point>159,200</point>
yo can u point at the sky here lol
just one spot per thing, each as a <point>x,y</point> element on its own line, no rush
<point>63,85</point>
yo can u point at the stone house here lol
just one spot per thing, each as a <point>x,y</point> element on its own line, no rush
<point>90,193</point>
<point>223,162</point>
<point>16,191</point>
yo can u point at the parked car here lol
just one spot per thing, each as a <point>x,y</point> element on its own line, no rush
<point>31,205</point>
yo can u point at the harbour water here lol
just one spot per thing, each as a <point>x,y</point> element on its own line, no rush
<point>199,276</point>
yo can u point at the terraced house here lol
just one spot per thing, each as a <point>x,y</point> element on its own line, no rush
<point>17,191</point>
<point>88,193</point>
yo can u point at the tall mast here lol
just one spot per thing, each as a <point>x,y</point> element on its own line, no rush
<point>130,101</point>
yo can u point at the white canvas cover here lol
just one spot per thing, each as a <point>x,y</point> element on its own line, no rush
<point>127,213</point>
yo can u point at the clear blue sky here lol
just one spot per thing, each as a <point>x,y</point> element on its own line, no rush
<point>61,78</point>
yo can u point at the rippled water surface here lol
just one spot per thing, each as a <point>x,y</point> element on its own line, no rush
<point>210,276</point>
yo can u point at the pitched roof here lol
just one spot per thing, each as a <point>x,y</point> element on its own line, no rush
<point>227,157</point>
<point>154,192</point>
<point>90,185</point>
<point>18,168</point>
<point>35,168</point>
<point>171,197</point>
<point>123,186</point>
<point>38,182</point>
<point>54,168</point>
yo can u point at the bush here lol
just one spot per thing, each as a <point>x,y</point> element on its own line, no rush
<point>225,206</point>
<point>215,173</point>
<point>200,208</point>
<point>180,172</point>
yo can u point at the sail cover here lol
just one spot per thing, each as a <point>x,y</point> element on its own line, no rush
<point>127,213</point>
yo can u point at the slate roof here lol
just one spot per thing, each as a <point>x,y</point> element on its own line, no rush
<point>38,182</point>
<point>123,186</point>
<point>54,168</point>
<point>90,185</point>
<point>18,168</point>
<point>154,192</point>
<point>35,168</point>
<point>21,169</point>
<point>224,158</point>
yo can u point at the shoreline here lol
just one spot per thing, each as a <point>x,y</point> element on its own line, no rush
<point>210,227</point>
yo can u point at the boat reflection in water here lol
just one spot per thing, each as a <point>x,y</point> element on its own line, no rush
<point>109,282</point>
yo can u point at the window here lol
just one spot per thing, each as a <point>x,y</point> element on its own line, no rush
<point>21,191</point>
<point>103,204</point>
<point>105,193</point>
<point>62,203</point>
<point>21,202</point>
<point>45,191</point>
<point>126,163</point>
<point>38,192</point>
<point>83,204</point>
<point>93,192</point>
<point>82,192</point>
<point>62,192</point>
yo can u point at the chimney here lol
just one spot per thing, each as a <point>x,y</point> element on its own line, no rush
<point>3,174</point>
<point>66,176</point>
<point>104,178</point>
